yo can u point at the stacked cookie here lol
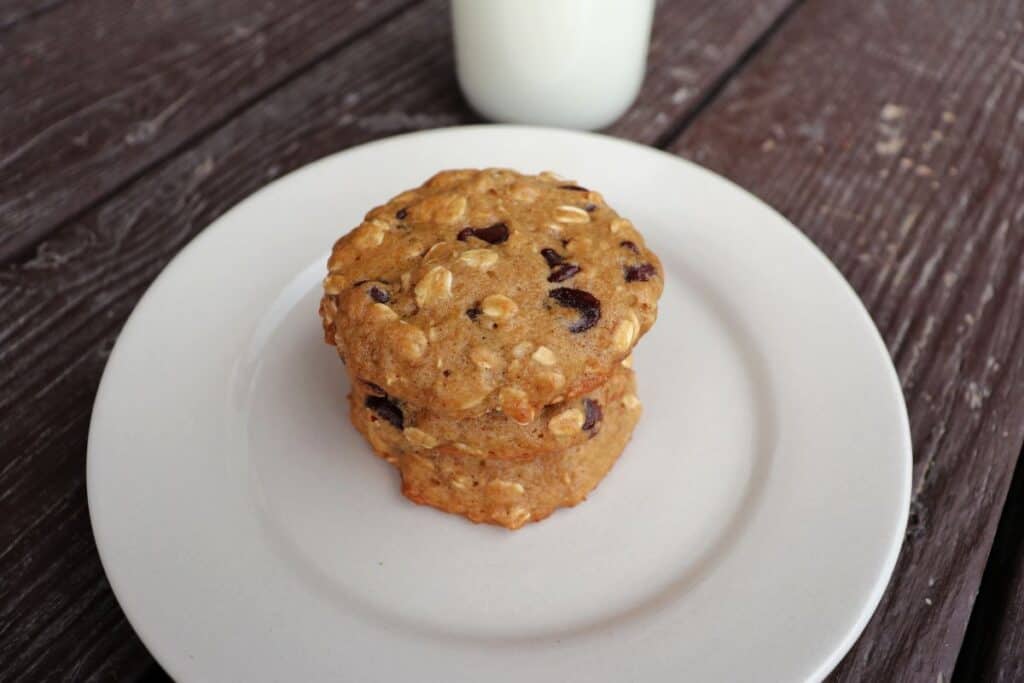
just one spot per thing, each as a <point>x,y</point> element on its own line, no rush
<point>486,321</point>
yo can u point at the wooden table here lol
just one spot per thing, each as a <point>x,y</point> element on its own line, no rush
<point>891,132</point>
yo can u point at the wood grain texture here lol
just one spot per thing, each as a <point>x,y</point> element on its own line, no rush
<point>993,649</point>
<point>96,91</point>
<point>16,11</point>
<point>63,305</point>
<point>694,45</point>
<point>173,73</point>
<point>891,134</point>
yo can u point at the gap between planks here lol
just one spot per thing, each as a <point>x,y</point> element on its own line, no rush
<point>708,92</point>
<point>993,647</point>
<point>718,85</point>
<point>21,253</point>
<point>930,218</point>
<point>128,267</point>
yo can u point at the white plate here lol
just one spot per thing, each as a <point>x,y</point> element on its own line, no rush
<point>746,534</point>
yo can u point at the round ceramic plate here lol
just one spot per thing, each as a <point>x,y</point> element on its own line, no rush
<point>746,534</point>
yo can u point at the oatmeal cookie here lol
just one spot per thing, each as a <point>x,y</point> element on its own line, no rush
<point>489,290</point>
<point>398,427</point>
<point>511,493</point>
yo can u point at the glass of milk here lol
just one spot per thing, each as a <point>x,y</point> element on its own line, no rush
<point>566,63</point>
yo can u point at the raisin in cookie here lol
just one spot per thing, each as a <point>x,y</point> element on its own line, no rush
<point>397,427</point>
<point>485,290</point>
<point>511,493</point>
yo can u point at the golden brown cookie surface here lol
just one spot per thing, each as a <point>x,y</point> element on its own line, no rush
<point>485,290</point>
<point>400,427</point>
<point>511,493</point>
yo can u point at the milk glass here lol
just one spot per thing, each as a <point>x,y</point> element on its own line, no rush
<point>566,63</point>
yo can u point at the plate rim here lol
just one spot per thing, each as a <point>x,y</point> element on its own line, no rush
<point>893,544</point>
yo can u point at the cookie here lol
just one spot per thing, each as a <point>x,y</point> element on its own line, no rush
<point>489,290</point>
<point>511,493</point>
<point>397,427</point>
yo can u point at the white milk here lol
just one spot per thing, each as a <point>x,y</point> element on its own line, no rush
<point>569,63</point>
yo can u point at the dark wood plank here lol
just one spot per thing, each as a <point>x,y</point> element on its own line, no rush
<point>154,674</point>
<point>68,125</point>
<point>994,646</point>
<point>890,133</point>
<point>61,308</point>
<point>15,11</point>
<point>694,46</point>
<point>96,91</point>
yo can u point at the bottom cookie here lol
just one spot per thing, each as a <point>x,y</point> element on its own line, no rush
<point>511,493</point>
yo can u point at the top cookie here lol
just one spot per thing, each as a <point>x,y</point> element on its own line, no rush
<point>484,290</point>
